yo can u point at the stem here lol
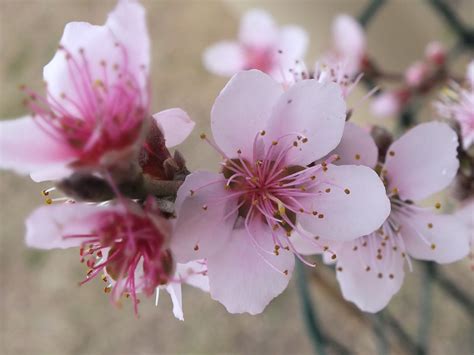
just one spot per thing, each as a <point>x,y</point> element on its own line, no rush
<point>426,305</point>
<point>378,325</point>
<point>452,19</point>
<point>309,312</point>
<point>370,11</point>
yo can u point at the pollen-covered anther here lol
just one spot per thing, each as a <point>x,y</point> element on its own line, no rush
<point>274,142</point>
<point>262,132</point>
<point>433,246</point>
<point>202,136</point>
<point>430,225</point>
<point>334,256</point>
<point>196,247</point>
<point>339,269</point>
<point>304,140</point>
<point>391,153</point>
<point>295,144</point>
<point>391,276</point>
<point>49,201</point>
<point>204,207</point>
<point>302,210</point>
<point>357,157</point>
<point>315,213</point>
<point>395,191</point>
<point>438,205</point>
<point>285,272</point>
<point>328,190</point>
<point>347,191</point>
<point>320,216</point>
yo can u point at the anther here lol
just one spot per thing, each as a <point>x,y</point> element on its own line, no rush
<point>391,153</point>
<point>347,191</point>
<point>339,269</point>
<point>391,276</point>
<point>285,272</point>
<point>262,133</point>
<point>430,225</point>
<point>204,207</point>
<point>202,136</point>
<point>191,192</point>
<point>196,247</point>
<point>328,190</point>
<point>433,246</point>
<point>305,140</point>
<point>320,216</point>
<point>357,156</point>
<point>438,205</point>
<point>380,275</point>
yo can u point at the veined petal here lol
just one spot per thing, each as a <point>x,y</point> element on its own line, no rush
<point>371,289</point>
<point>423,161</point>
<point>352,203</point>
<point>193,273</point>
<point>224,58</point>
<point>440,238</point>
<point>242,109</point>
<point>357,147</point>
<point>314,111</point>
<point>175,124</point>
<point>26,148</point>
<point>240,275</point>
<point>258,29</point>
<point>47,225</point>
<point>205,216</point>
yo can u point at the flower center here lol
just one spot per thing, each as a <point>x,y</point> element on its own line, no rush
<point>104,110</point>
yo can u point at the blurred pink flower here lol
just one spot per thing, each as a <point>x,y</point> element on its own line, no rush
<point>466,215</point>
<point>261,45</point>
<point>349,44</point>
<point>127,244</point>
<point>435,52</point>
<point>370,269</point>
<point>96,109</point>
<point>389,103</point>
<point>242,219</point>
<point>457,103</point>
<point>416,73</point>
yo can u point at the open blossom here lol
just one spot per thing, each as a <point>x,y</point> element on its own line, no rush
<point>261,45</point>
<point>243,219</point>
<point>124,243</point>
<point>348,46</point>
<point>370,269</point>
<point>96,108</point>
<point>457,103</point>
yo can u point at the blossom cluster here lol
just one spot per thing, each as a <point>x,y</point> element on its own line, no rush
<point>297,178</point>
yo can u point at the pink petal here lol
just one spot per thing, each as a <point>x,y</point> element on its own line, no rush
<point>200,229</point>
<point>385,105</point>
<point>258,29</point>
<point>366,289</point>
<point>422,161</point>
<point>440,238</point>
<point>242,109</point>
<point>174,289</point>
<point>349,41</point>
<point>52,173</point>
<point>313,110</point>
<point>224,58</point>
<point>125,25</point>
<point>175,124</point>
<point>292,44</point>
<point>46,226</point>
<point>347,214</point>
<point>26,148</point>
<point>128,25</point>
<point>356,147</point>
<point>241,279</point>
<point>192,273</point>
<point>470,73</point>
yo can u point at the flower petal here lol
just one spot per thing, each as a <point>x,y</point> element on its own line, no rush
<point>174,289</point>
<point>370,290</point>
<point>258,29</point>
<point>313,110</point>
<point>242,109</point>
<point>26,148</point>
<point>200,228</point>
<point>440,238</point>
<point>193,273</point>
<point>175,124</point>
<point>355,205</point>
<point>422,161</point>
<point>239,276</point>
<point>224,58</point>
<point>46,226</point>
<point>83,43</point>
<point>357,147</point>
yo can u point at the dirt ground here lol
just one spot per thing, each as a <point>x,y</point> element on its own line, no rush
<point>43,311</point>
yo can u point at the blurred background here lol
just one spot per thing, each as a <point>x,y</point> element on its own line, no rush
<point>43,311</point>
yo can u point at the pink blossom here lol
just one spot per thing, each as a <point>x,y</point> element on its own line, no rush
<point>96,108</point>
<point>457,103</point>
<point>261,45</point>
<point>416,73</point>
<point>370,269</point>
<point>435,53</point>
<point>242,220</point>
<point>349,44</point>
<point>125,243</point>
<point>389,103</point>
